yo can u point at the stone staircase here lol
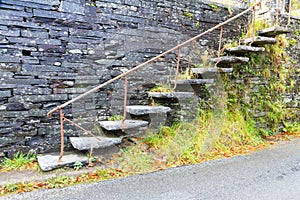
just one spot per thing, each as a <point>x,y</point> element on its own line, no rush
<point>143,117</point>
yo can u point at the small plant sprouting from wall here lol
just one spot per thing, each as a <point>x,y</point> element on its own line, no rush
<point>214,7</point>
<point>188,15</point>
<point>115,118</point>
<point>161,88</point>
<point>90,2</point>
<point>78,165</point>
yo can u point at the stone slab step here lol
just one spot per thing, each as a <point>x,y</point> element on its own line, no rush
<point>146,110</point>
<point>49,162</point>
<point>87,143</point>
<point>273,31</point>
<point>171,95</point>
<point>259,41</point>
<point>117,125</point>
<point>210,70</point>
<point>194,81</point>
<point>244,49</point>
<point>223,60</point>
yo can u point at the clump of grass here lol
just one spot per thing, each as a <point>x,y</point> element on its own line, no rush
<point>238,132</point>
<point>135,160</point>
<point>187,143</point>
<point>205,56</point>
<point>61,181</point>
<point>187,74</point>
<point>226,2</point>
<point>292,128</point>
<point>115,118</point>
<point>161,88</point>
<point>231,44</point>
<point>258,25</point>
<point>20,161</point>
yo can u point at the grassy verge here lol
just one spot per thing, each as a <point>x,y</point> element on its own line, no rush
<point>60,181</point>
<point>185,143</point>
<point>191,143</point>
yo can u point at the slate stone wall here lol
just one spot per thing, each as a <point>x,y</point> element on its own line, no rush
<point>292,98</point>
<point>271,90</point>
<point>51,51</point>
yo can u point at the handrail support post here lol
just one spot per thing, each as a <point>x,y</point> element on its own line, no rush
<point>177,69</point>
<point>125,103</point>
<point>61,116</point>
<point>220,46</point>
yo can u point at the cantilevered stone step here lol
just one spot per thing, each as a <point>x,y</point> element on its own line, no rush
<point>244,49</point>
<point>145,110</point>
<point>273,31</point>
<point>49,162</point>
<point>87,143</point>
<point>117,125</point>
<point>259,41</point>
<point>210,70</point>
<point>195,86</point>
<point>194,81</point>
<point>171,95</point>
<point>223,60</point>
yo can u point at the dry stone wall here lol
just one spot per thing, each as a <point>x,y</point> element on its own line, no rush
<point>51,51</point>
<point>292,98</point>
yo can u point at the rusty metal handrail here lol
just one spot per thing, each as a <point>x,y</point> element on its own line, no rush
<point>125,74</point>
<point>151,60</point>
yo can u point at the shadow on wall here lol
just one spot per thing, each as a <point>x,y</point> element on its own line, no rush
<point>123,51</point>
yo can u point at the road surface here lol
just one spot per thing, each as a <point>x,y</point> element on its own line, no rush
<point>268,174</point>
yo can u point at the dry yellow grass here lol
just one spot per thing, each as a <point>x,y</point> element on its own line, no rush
<point>295,5</point>
<point>295,8</point>
<point>226,2</point>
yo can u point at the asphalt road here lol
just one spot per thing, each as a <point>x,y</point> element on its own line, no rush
<point>267,174</point>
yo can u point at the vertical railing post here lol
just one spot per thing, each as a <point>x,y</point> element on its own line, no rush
<point>61,116</point>
<point>290,10</point>
<point>277,13</point>
<point>220,45</point>
<point>253,25</point>
<point>125,103</point>
<point>177,69</point>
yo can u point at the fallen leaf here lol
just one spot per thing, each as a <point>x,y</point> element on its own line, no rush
<point>39,184</point>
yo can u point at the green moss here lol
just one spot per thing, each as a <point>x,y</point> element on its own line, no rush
<point>161,88</point>
<point>297,32</point>
<point>214,7</point>
<point>292,42</point>
<point>115,118</point>
<point>188,15</point>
